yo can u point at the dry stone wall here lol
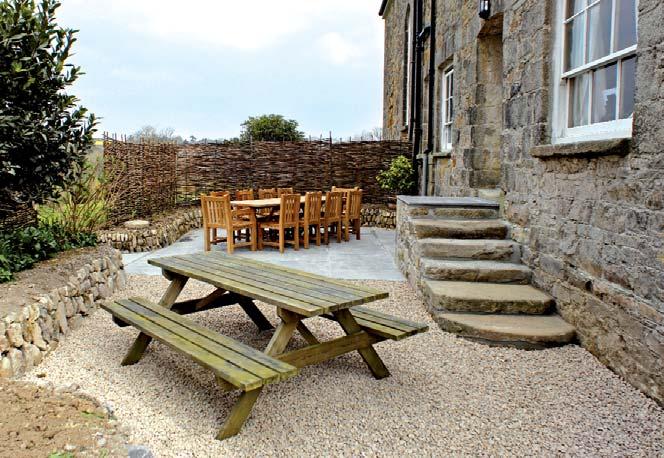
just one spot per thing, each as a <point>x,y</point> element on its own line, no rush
<point>159,234</point>
<point>35,328</point>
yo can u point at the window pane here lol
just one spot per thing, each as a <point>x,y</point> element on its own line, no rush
<point>574,6</point>
<point>599,30</point>
<point>625,24</point>
<point>604,94</point>
<point>627,82</point>
<point>579,100</point>
<point>447,136</point>
<point>574,43</point>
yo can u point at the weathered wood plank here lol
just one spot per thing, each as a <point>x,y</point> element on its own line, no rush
<point>300,307</point>
<point>363,290</point>
<point>227,342</point>
<point>169,297</point>
<point>260,280</point>
<point>324,351</point>
<point>316,286</point>
<point>379,314</point>
<point>229,372</point>
<point>283,334</point>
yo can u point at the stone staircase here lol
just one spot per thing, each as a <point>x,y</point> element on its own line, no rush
<point>457,252</point>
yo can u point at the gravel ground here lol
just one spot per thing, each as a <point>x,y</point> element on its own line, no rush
<point>446,396</point>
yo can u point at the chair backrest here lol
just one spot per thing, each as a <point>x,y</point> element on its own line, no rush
<point>343,190</point>
<point>269,193</point>
<point>289,210</point>
<point>216,210</point>
<point>332,205</point>
<point>220,193</point>
<point>312,206</point>
<point>282,191</point>
<point>244,194</point>
<point>354,205</point>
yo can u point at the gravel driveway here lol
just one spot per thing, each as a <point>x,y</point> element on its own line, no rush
<point>446,396</point>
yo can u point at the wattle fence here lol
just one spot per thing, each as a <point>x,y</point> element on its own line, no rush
<point>157,177</point>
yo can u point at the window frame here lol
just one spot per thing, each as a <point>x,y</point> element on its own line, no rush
<point>408,57</point>
<point>561,132</point>
<point>445,98</point>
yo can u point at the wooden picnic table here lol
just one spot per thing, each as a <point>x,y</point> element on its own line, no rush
<point>297,296</point>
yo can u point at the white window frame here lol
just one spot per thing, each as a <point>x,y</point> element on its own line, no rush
<point>446,118</point>
<point>561,133</point>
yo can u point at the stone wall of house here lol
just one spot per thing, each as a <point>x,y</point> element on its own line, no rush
<point>162,232</point>
<point>35,328</point>
<point>394,121</point>
<point>590,216</point>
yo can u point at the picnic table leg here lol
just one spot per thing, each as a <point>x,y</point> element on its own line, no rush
<point>242,408</point>
<point>284,333</point>
<point>255,314</point>
<point>368,353</point>
<point>141,343</point>
<point>307,334</point>
<point>239,414</point>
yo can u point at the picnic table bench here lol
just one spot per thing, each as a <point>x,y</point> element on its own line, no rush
<point>297,295</point>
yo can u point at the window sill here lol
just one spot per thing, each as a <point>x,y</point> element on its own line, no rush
<point>444,153</point>
<point>616,147</point>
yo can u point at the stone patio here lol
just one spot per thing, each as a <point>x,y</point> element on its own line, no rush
<point>371,258</point>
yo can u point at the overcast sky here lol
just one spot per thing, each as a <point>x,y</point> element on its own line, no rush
<point>204,66</point>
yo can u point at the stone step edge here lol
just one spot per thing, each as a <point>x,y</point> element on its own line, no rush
<point>484,304</point>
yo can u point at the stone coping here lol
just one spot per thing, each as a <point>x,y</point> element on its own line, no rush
<point>616,147</point>
<point>34,328</point>
<point>435,201</point>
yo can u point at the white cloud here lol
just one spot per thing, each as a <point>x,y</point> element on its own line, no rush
<point>243,25</point>
<point>133,75</point>
<point>338,49</point>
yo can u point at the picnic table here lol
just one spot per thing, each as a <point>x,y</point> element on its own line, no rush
<point>297,296</point>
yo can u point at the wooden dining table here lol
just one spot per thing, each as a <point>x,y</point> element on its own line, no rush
<point>263,203</point>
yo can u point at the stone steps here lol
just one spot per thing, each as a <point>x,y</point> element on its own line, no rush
<point>454,296</point>
<point>474,271</point>
<point>520,331</point>
<point>459,229</point>
<point>488,249</point>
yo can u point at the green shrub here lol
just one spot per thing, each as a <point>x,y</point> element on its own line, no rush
<point>271,128</point>
<point>22,248</point>
<point>43,131</point>
<point>399,178</point>
<point>83,204</point>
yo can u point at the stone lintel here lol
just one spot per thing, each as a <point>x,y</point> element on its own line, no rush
<point>435,201</point>
<point>615,147</point>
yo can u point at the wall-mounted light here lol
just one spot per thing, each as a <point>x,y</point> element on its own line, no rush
<point>485,9</point>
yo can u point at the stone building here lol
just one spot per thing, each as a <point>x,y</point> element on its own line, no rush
<point>554,109</point>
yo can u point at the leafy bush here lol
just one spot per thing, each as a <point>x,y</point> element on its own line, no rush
<point>42,130</point>
<point>399,178</point>
<point>84,202</point>
<point>22,248</point>
<point>270,128</point>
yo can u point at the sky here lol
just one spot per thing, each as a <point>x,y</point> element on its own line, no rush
<point>203,66</point>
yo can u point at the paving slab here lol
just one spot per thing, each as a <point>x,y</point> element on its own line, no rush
<point>370,258</point>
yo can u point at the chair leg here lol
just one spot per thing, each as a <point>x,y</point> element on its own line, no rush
<point>347,230</point>
<point>317,228</point>
<point>339,234</point>
<point>206,238</point>
<point>230,241</point>
<point>358,225</point>
<point>296,237</point>
<point>253,237</point>
<point>306,237</point>
<point>282,240</point>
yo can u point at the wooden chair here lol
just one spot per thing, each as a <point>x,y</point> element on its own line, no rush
<point>218,214</point>
<point>214,235</point>
<point>282,191</point>
<point>351,216</point>
<point>269,193</point>
<point>245,213</point>
<point>332,215</point>
<point>289,218</point>
<point>311,219</point>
